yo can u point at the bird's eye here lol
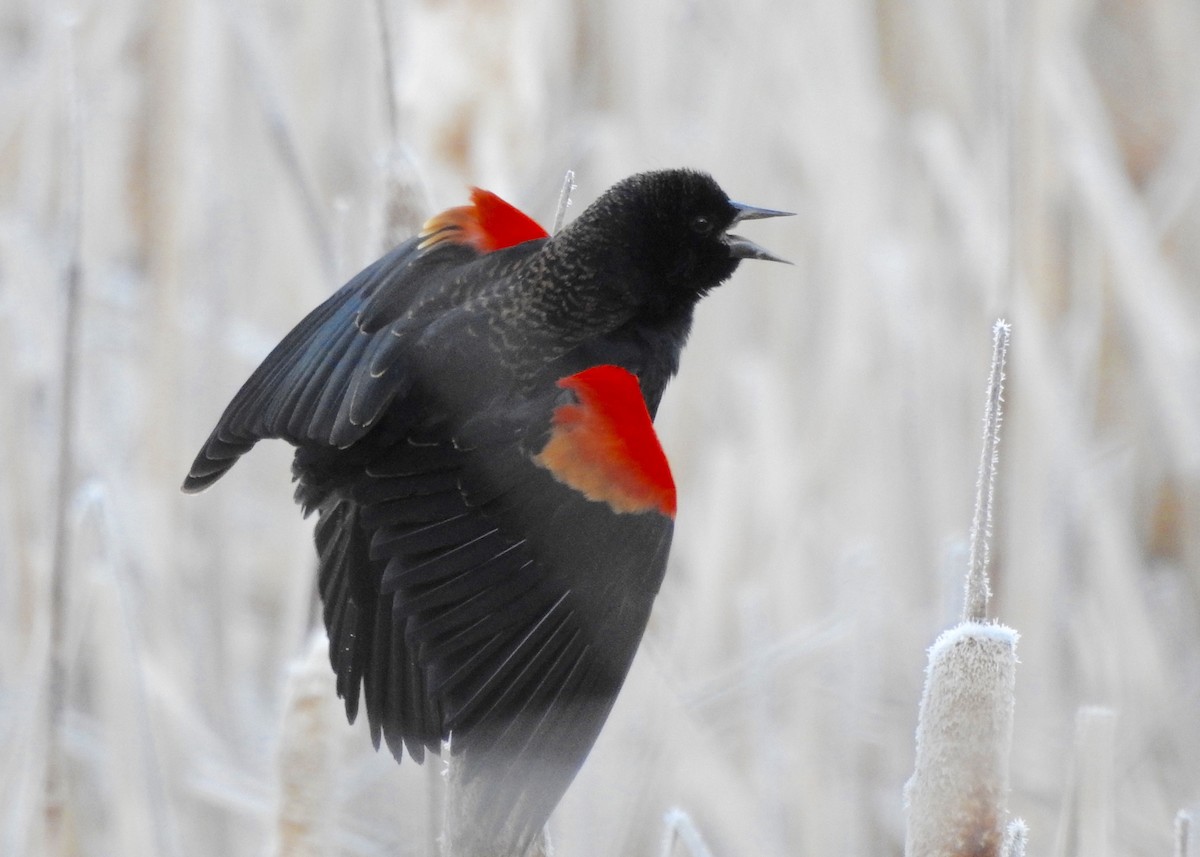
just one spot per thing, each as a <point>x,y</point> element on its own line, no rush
<point>701,225</point>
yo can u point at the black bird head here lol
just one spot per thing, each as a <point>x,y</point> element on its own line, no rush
<point>670,231</point>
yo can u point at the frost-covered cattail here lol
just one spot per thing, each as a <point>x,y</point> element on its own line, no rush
<point>957,797</point>
<point>958,794</point>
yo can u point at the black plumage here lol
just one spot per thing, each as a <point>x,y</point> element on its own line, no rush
<point>471,590</point>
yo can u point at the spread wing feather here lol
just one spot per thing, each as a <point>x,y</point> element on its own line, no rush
<point>514,610</point>
<point>331,378</point>
<point>467,594</point>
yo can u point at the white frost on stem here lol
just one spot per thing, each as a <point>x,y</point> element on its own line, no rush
<point>679,827</point>
<point>564,201</point>
<point>978,590</point>
<point>1016,835</point>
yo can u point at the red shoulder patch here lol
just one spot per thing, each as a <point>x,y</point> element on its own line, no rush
<point>605,446</point>
<point>488,223</point>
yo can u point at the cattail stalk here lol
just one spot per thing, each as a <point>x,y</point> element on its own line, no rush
<point>957,796</point>
<point>978,589</point>
<point>306,757</point>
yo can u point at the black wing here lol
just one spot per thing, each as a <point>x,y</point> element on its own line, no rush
<point>467,594</point>
<point>333,376</point>
<point>475,598</point>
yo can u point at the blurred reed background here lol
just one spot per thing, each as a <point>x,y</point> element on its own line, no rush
<point>210,169</point>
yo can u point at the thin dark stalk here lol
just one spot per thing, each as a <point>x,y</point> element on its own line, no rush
<point>389,72</point>
<point>402,196</point>
<point>281,134</point>
<point>59,840</point>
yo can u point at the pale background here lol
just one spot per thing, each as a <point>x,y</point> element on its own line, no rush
<point>229,164</point>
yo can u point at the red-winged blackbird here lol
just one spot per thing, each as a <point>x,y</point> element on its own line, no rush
<point>472,421</point>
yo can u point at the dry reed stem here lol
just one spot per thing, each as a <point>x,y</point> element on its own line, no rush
<point>403,199</point>
<point>1183,833</point>
<point>1176,182</point>
<point>287,147</point>
<point>1086,824</point>
<point>60,834</point>
<point>1003,62</point>
<point>1151,302</point>
<point>147,824</point>
<point>391,98</point>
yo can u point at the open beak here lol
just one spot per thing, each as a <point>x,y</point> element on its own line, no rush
<point>742,248</point>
